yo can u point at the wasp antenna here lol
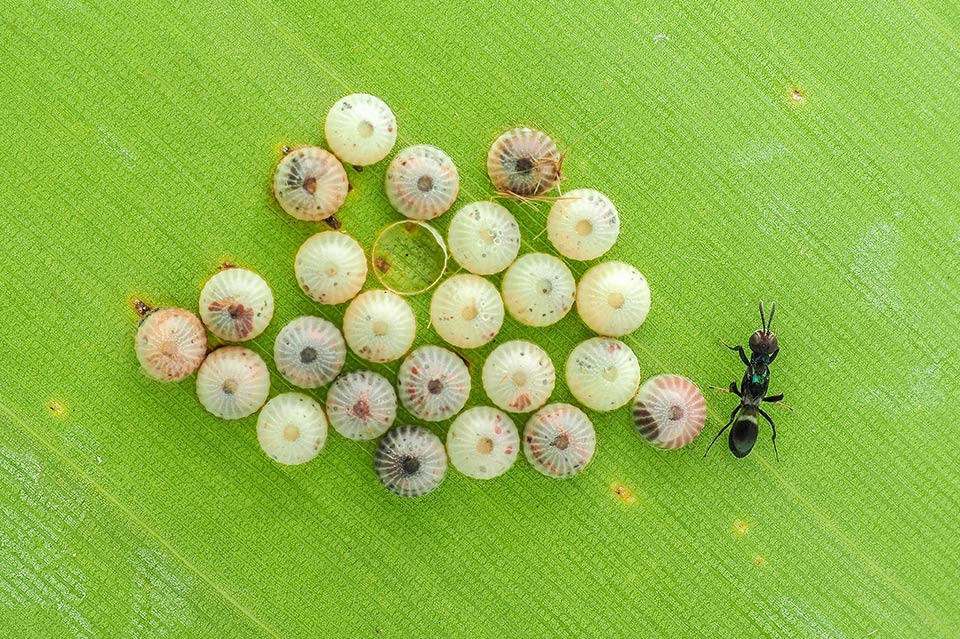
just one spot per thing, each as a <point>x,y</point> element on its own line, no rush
<point>773,309</point>
<point>763,319</point>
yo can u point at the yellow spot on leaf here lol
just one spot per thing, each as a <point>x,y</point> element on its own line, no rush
<point>741,527</point>
<point>758,560</point>
<point>623,493</point>
<point>797,96</point>
<point>57,408</point>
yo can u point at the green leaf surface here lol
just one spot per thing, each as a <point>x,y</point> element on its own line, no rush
<point>798,151</point>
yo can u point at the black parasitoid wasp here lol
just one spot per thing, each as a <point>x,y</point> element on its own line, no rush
<point>753,390</point>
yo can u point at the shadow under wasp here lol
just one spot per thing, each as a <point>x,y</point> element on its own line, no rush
<point>753,390</point>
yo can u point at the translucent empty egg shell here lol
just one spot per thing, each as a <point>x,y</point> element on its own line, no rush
<point>360,129</point>
<point>409,257</point>
<point>292,428</point>
<point>484,238</point>
<point>310,184</point>
<point>583,224</point>
<point>466,311</point>
<point>483,442</point>
<point>330,267</point>
<point>170,344</point>
<point>669,411</point>
<point>236,304</point>
<point>613,298</point>
<point>538,289</point>
<point>602,373</point>
<point>433,384</point>
<point>518,376</point>
<point>233,382</point>
<point>410,461</point>
<point>379,326</point>
<point>422,182</point>
<point>559,440</point>
<point>524,163</point>
<point>309,352</point>
<point>361,405</point>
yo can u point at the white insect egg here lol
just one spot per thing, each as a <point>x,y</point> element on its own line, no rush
<point>613,298</point>
<point>433,383</point>
<point>360,129</point>
<point>559,440</point>
<point>538,289</point>
<point>310,184</point>
<point>422,182</point>
<point>466,311</point>
<point>602,373</point>
<point>410,461</point>
<point>669,411</point>
<point>483,442</point>
<point>518,376</point>
<point>236,304</point>
<point>361,405</point>
<point>170,344</point>
<point>484,238</point>
<point>524,163</point>
<point>379,326</point>
<point>233,382</point>
<point>292,428</point>
<point>309,352</point>
<point>330,267</point>
<point>583,224</point>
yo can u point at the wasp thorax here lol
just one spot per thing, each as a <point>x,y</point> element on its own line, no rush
<point>763,342</point>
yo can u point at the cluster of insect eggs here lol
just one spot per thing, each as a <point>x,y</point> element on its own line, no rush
<point>538,290</point>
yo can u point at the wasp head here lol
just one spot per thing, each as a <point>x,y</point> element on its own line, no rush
<point>764,341</point>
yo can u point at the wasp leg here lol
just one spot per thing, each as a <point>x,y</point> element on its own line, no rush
<point>773,355</point>
<point>777,400</point>
<point>739,349</point>
<point>733,416</point>
<point>774,438</point>
<point>732,390</point>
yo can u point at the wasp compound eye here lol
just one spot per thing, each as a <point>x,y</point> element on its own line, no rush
<point>233,382</point>
<point>361,405</point>
<point>291,428</point>
<point>524,163</point>
<point>236,304</point>
<point>669,411</point>
<point>422,182</point>
<point>613,298</point>
<point>309,352</point>
<point>310,184</point>
<point>538,289</point>
<point>170,344</point>
<point>483,442</point>
<point>379,326</point>
<point>559,441</point>
<point>360,129</point>
<point>433,383</point>
<point>466,311</point>
<point>519,376</point>
<point>410,461</point>
<point>330,267</point>
<point>484,238</point>
<point>583,224</point>
<point>602,373</point>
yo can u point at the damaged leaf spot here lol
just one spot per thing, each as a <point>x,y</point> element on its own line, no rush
<point>623,493</point>
<point>57,408</point>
